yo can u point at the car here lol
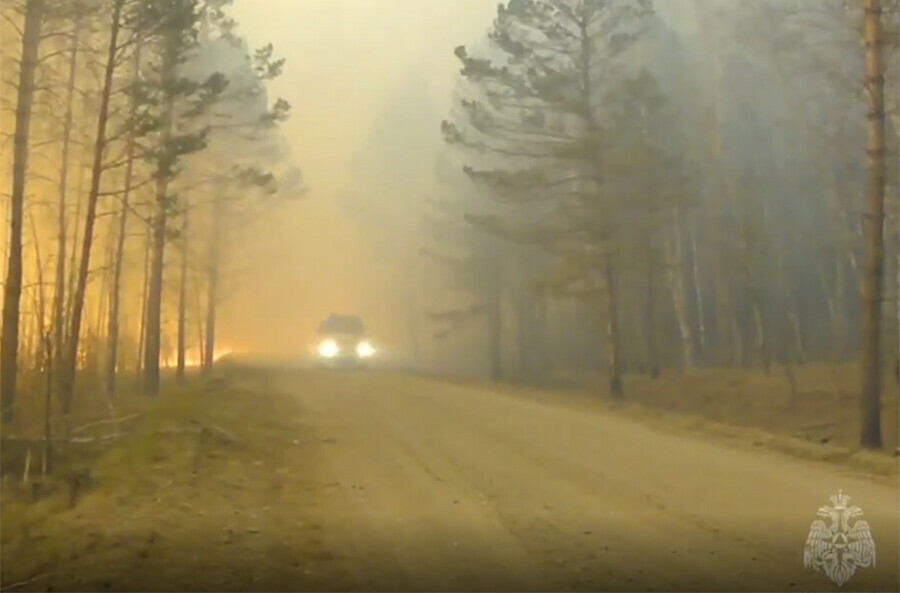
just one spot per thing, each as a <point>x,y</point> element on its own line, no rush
<point>343,342</point>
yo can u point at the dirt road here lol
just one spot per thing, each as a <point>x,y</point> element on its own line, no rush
<point>431,486</point>
<point>308,480</point>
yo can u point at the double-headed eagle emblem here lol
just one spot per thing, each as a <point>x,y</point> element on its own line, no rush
<point>837,548</point>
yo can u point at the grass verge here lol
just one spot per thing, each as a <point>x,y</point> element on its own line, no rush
<point>204,490</point>
<point>811,414</point>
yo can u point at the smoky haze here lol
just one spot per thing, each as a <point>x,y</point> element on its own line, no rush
<point>350,65</point>
<point>429,295</point>
<point>370,86</point>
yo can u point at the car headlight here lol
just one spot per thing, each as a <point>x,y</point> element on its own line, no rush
<point>365,349</point>
<point>328,348</point>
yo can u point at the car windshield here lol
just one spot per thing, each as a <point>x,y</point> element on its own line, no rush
<point>342,324</point>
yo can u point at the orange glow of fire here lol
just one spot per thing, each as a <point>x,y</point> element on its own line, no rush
<point>193,359</point>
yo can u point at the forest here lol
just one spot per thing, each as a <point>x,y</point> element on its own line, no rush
<point>611,193</point>
<point>140,147</point>
<point>617,194</point>
<point>623,276</point>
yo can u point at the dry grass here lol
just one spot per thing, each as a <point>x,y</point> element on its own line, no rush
<point>211,486</point>
<point>818,418</point>
<point>196,496</point>
<point>89,404</point>
<point>815,416</point>
<point>822,406</point>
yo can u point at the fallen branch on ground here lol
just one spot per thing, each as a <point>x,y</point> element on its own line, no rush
<point>222,432</point>
<point>12,586</point>
<point>36,442</point>
<point>81,440</point>
<point>231,438</point>
<point>27,466</point>
<point>104,422</point>
<point>199,428</point>
<point>57,423</point>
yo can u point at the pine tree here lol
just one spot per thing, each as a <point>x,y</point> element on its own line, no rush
<point>538,109</point>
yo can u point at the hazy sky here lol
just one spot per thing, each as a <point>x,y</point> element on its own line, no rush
<point>344,58</point>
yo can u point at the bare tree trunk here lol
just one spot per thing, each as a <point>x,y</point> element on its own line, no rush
<point>698,294</point>
<point>799,353</point>
<point>6,242</point>
<point>798,333</point>
<point>200,344</point>
<point>729,334</point>
<point>70,360</point>
<point>40,315</point>
<point>836,308</point>
<point>213,272</point>
<point>870,358</point>
<point>759,325</point>
<point>495,337</point>
<point>153,339</point>
<point>112,322</point>
<point>728,342</point>
<point>523,335</point>
<point>733,329</point>
<point>182,301</point>
<point>675,271</point>
<point>59,293</point>
<point>48,410</point>
<point>789,360</point>
<point>650,321</point>
<point>614,348</point>
<point>27,339</point>
<point>531,338</point>
<point>112,326</point>
<point>541,337</point>
<point>73,249</point>
<point>846,251</point>
<point>636,356</point>
<point>751,223</point>
<point>142,333</point>
<point>897,360</point>
<point>152,335</point>
<point>103,300</point>
<point>12,289</point>
<point>839,218</point>
<point>210,339</point>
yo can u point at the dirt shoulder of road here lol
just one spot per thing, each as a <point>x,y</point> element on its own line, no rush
<point>816,419</point>
<point>209,488</point>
